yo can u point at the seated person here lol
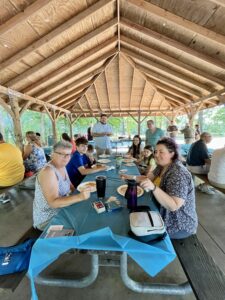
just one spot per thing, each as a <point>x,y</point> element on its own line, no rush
<point>66,138</point>
<point>78,166</point>
<point>53,186</point>
<point>172,186</point>
<point>33,154</point>
<point>216,173</point>
<point>90,154</point>
<point>146,163</point>
<point>11,164</point>
<point>198,161</point>
<point>135,149</point>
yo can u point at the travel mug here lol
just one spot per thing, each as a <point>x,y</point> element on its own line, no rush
<point>100,186</point>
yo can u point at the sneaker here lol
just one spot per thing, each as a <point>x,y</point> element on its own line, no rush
<point>206,189</point>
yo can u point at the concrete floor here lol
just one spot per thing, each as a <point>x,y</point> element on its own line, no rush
<point>211,212</point>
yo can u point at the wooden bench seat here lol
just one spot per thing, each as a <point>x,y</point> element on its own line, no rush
<point>11,281</point>
<point>204,178</point>
<point>204,276</point>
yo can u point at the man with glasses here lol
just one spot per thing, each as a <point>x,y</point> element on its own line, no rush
<point>198,160</point>
<point>79,164</point>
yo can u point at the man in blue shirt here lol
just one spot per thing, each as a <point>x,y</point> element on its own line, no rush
<point>79,164</point>
<point>101,133</point>
<point>153,134</point>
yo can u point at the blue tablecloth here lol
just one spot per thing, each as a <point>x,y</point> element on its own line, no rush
<point>106,231</point>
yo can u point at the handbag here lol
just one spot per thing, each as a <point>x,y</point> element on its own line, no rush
<point>147,225</point>
<point>16,258</point>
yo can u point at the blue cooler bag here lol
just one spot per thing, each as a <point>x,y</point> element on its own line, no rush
<point>15,258</point>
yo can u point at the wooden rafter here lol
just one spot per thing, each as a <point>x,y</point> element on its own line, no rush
<point>179,21</point>
<point>22,16</point>
<point>163,79</point>
<point>80,59</point>
<point>143,94</point>
<point>165,70</point>
<point>107,88</point>
<point>84,39</point>
<point>105,68</point>
<point>54,33</point>
<point>76,73</point>
<point>160,38</point>
<point>6,107</point>
<point>25,107</point>
<point>132,84</point>
<point>97,95</point>
<point>7,91</point>
<point>169,59</point>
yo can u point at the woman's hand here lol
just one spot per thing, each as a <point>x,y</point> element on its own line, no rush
<point>147,184</point>
<point>85,194</point>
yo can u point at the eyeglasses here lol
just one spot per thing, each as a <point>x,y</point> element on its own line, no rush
<point>63,155</point>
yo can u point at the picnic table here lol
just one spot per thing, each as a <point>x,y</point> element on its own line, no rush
<point>100,232</point>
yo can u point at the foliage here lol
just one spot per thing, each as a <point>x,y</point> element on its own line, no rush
<point>213,121</point>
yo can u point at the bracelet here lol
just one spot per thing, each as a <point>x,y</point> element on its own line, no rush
<point>155,186</point>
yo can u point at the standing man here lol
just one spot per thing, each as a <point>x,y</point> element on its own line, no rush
<point>153,134</point>
<point>101,132</point>
<point>172,130</point>
<point>188,134</point>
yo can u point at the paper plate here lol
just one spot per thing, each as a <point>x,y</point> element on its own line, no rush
<point>89,184</point>
<point>128,160</point>
<point>104,155</point>
<point>104,161</point>
<point>122,190</point>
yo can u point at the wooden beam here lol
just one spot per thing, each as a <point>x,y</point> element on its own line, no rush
<point>25,107</point>
<point>6,107</point>
<point>71,93</point>
<point>22,16</point>
<point>171,90</point>
<point>179,21</point>
<point>76,73</point>
<point>151,100</point>
<point>165,70</point>
<point>133,64</point>
<point>155,76</point>
<point>172,61</point>
<point>81,41</point>
<point>118,26</point>
<point>120,83</point>
<point>7,91</point>
<point>54,33</point>
<point>162,39</point>
<point>16,119</point>
<point>78,60</point>
<point>106,66</point>
<point>143,94</point>
<point>97,96</point>
<point>107,88</point>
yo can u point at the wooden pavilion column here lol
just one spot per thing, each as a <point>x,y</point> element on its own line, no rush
<point>13,101</point>
<point>138,121</point>
<point>53,117</point>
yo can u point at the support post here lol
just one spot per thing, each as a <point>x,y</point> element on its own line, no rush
<point>13,101</point>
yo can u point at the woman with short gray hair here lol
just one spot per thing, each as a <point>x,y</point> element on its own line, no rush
<point>53,186</point>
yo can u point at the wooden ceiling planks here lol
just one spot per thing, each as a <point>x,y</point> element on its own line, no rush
<point>171,54</point>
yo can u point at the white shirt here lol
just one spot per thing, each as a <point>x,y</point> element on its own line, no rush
<point>102,142</point>
<point>217,167</point>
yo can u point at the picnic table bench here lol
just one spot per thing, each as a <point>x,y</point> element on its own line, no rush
<point>205,277</point>
<point>204,177</point>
